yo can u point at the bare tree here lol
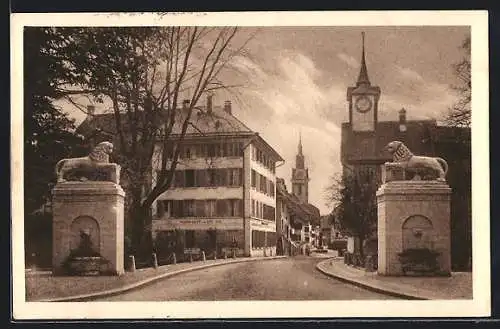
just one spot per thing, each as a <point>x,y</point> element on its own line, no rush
<point>460,113</point>
<point>145,73</point>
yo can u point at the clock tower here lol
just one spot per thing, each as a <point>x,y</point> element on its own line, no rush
<point>300,176</point>
<point>363,99</point>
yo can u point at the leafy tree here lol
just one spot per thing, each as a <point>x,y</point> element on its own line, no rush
<point>460,113</point>
<point>48,133</point>
<point>353,195</point>
<point>142,74</point>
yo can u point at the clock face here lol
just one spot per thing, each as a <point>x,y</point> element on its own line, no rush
<point>363,104</point>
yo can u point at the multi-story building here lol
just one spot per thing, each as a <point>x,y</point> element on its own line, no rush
<point>284,244</point>
<point>364,138</point>
<point>223,196</point>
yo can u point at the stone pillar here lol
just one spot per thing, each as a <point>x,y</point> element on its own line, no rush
<point>418,211</point>
<point>95,207</point>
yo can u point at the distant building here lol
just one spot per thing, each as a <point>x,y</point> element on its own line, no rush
<point>300,219</point>
<point>300,176</point>
<point>223,196</point>
<point>364,137</point>
<point>284,245</point>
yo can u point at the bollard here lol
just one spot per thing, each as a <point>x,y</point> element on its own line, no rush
<point>271,252</point>
<point>225,254</point>
<point>131,263</point>
<point>174,258</point>
<point>215,255</point>
<point>190,258</point>
<point>265,253</point>
<point>155,260</point>
<point>234,253</point>
<point>203,258</point>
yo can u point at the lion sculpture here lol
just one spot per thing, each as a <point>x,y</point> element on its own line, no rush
<point>419,165</point>
<point>96,162</point>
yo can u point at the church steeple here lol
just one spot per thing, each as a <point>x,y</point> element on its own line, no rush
<point>300,143</point>
<point>299,159</point>
<point>300,175</point>
<point>363,72</point>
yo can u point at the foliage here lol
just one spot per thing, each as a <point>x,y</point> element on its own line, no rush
<point>48,134</point>
<point>356,205</point>
<point>460,113</point>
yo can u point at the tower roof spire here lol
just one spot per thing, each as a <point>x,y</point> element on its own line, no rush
<point>300,143</point>
<point>363,72</point>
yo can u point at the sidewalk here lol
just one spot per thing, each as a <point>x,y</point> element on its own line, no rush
<point>42,286</point>
<point>458,286</point>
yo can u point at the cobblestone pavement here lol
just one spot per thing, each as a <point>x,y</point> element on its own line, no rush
<point>282,279</point>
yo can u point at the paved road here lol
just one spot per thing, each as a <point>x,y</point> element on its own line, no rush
<point>281,279</point>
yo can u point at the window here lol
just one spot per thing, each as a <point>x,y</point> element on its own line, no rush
<point>222,208</point>
<point>187,152</point>
<point>164,208</point>
<point>254,178</point>
<point>269,213</point>
<point>236,207</point>
<point>253,209</point>
<point>210,208</point>
<point>271,239</point>
<point>189,239</point>
<point>211,150</point>
<point>188,208</point>
<point>211,177</point>
<point>160,208</point>
<point>263,184</point>
<point>189,178</point>
<point>179,178</point>
<point>235,177</point>
<point>271,188</point>
<point>177,210</point>
<point>199,208</point>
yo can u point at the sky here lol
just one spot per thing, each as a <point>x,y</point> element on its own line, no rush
<point>294,80</point>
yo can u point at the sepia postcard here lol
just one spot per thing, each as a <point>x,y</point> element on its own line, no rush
<point>224,165</point>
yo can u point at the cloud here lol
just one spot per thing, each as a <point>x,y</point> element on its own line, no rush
<point>349,60</point>
<point>290,99</point>
<point>423,99</point>
<point>409,74</point>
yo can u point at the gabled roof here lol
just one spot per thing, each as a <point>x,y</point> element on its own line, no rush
<point>201,122</point>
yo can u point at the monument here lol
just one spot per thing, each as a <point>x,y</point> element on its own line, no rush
<point>413,215</point>
<point>88,215</point>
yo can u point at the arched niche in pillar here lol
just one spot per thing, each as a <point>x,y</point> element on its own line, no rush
<point>89,226</point>
<point>418,232</point>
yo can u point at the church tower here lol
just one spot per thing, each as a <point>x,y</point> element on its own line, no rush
<point>300,176</point>
<point>363,99</point>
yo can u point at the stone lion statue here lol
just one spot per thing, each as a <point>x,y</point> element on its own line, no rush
<point>96,162</point>
<point>419,165</point>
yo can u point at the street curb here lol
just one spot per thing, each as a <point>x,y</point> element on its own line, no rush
<point>117,291</point>
<point>365,285</point>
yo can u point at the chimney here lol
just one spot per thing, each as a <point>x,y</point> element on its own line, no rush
<point>402,120</point>
<point>185,104</point>
<point>90,110</point>
<point>209,103</point>
<point>227,107</point>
